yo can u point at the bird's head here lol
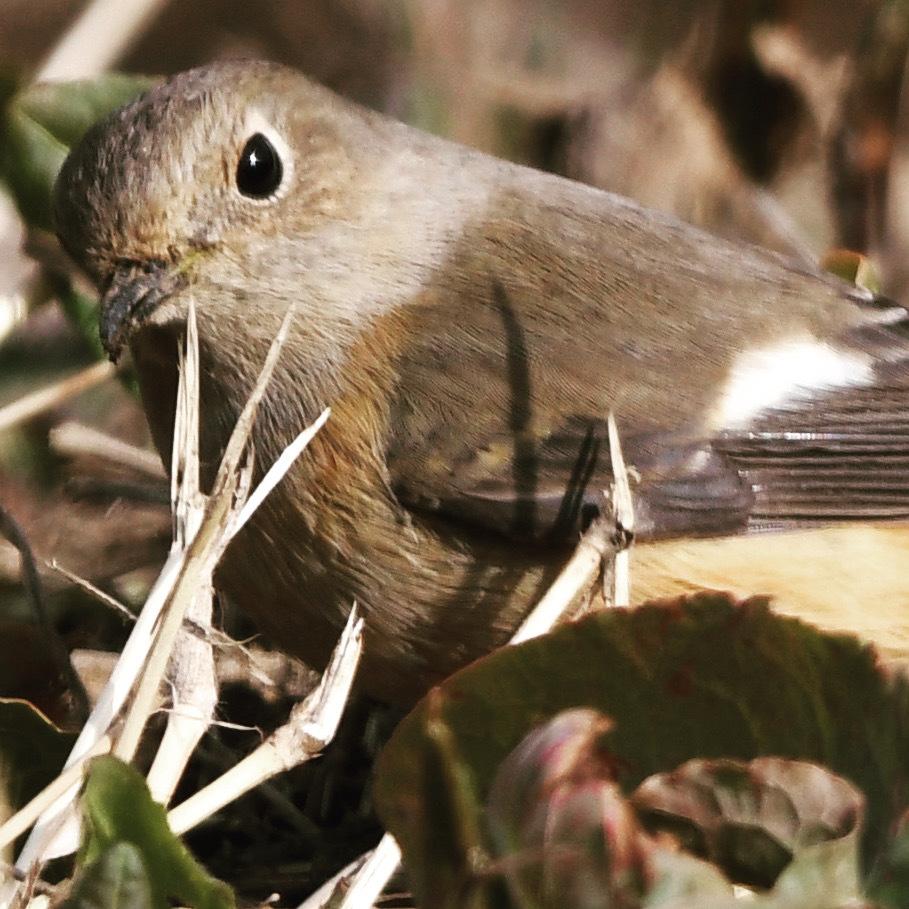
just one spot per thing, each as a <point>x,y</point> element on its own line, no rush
<point>207,177</point>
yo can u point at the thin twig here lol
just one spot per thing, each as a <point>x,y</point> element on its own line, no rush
<point>92,590</point>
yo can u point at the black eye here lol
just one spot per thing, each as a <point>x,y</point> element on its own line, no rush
<point>260,170</point>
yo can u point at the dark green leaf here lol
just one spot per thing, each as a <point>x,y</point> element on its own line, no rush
<point>704,677</point>
<point>117,808</point>
<point>117,879</point>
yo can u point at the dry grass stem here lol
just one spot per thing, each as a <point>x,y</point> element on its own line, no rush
<point>236,445</point>
<point>280,467</point>
<point>14,304</point>
<point>623,519</point>
<point>200,525</point>
<point>194,697</point>
<point>194,687</point>
<point>56,831</point>
<point>30,405</point>
<point>365,883</point>
<point>576,578</point>
<point>97,39</point>
<point>312,725</point>
<point>151,643</point>
<point>186,499</point>
<point>72,440</point>
<point>586,565</point>
<point>48,839</point>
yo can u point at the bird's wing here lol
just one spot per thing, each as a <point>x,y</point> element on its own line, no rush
<point>551,488</point>
<point>842,456</point>
<point>520,352</point>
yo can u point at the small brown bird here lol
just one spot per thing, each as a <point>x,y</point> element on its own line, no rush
<point>472,324</point>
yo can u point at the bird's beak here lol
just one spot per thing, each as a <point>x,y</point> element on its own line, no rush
<point>134,292</point>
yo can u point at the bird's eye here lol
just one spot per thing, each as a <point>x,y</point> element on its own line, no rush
<point>260,171</point>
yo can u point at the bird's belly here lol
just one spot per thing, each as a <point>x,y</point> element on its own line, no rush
<point>432,602</point>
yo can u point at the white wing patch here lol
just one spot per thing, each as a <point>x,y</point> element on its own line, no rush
<point>764,379</point>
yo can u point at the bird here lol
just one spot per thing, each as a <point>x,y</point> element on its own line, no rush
<point>474,325</point>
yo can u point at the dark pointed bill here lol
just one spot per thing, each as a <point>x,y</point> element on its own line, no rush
<point>136,289</point>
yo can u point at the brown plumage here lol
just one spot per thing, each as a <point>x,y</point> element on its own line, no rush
<point>472,324</point>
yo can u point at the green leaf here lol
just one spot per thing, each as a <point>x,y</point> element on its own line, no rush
<point>564,834</point>
<point>117,879</point>
<point>703,677</point>
<point>680,880</point>
<point>117,808</point>
<point>39,126</point>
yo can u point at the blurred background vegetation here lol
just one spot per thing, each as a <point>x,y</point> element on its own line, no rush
<point>778,122</point>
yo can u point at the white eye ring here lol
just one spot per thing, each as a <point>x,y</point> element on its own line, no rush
<point>255,123</point>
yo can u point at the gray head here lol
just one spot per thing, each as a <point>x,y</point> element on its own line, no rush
<point>230,158</point>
